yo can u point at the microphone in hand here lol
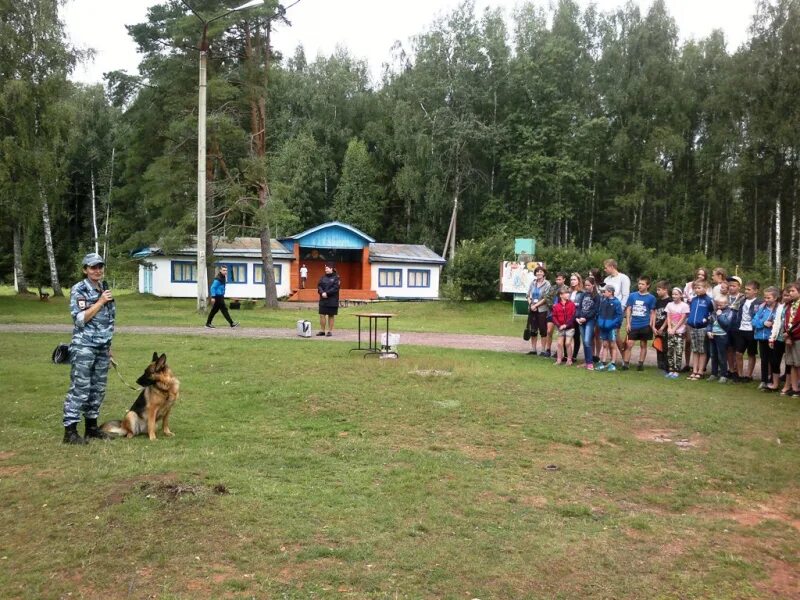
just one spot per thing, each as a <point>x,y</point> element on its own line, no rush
<point>104,285</point>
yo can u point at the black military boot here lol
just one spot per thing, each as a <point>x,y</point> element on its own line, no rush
<point>71,435</point>
<point>94,432</point>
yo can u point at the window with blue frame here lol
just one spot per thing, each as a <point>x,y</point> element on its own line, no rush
<point>183,271</point>
<point>419,278</point>
<point>390,278</point>
<point>258,273</point>
<point>237,272</point>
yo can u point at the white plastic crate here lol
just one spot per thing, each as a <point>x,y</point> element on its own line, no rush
<point>393,342</point>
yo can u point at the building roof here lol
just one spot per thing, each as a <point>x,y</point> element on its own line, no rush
<point>242,246</point>
<point>334,234</point>
<point>404,253</point>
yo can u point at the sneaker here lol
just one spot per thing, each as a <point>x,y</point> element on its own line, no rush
<point>234,324</point>
<point>543,353</point>
<point>723,380</point>
<point>624,367</point>
<point>590,367</point>
<point>711,378</point>
<point>329,334</point>
<point>320,333</point>
<point>547,354</point>
<point>612,367</point>
<point>640,367</point>
<point>762,386</point>
<point>674,375</point>
<point>600,367</point>
<point>210,326</point>
<point>532,352</point>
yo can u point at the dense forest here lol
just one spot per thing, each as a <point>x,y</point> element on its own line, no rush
<point>580,128</point>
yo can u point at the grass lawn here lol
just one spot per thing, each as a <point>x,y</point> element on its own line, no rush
<point>492,318</point>
<point>296,474</point>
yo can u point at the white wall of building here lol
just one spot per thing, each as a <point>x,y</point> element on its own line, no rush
<point>163,285</point>
<point>406,270</point>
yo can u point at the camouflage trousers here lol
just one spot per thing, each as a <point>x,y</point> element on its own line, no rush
<point>87,387</point>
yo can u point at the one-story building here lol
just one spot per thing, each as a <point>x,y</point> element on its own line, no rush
<point>368,269</point>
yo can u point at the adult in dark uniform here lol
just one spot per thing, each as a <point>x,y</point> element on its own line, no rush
<point>93,314</point>
<point>328,289</point>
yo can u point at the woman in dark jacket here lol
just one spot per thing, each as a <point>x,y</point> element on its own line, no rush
<point>328,289</point>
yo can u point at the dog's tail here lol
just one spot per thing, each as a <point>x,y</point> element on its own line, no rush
<point>113,428</point>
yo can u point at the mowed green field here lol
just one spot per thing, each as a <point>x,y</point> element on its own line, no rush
<point>301,471</point>
<point>489,318</point>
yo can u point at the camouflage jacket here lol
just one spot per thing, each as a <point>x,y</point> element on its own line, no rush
<point>100,329</point>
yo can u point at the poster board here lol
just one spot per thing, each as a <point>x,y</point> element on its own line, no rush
<point>516,276</point>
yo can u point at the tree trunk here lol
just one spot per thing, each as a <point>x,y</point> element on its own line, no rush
<point>770,233</point>
<point>795,237</point>
<point>270,293</point>
<point>94,213</point>
<point>258,123</point>
<point>20,281</point>
<point>778,263</point>
<point>108,205</point>
<point>48,242</point>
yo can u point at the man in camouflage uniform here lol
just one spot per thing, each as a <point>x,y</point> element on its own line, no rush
<point>93,314</point>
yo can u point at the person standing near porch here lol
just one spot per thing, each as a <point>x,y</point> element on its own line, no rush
<point>328,289</point>
<point>303,277</point>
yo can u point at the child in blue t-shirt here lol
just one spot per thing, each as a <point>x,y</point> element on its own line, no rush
<point>609,319</point>
<point>640,315</point>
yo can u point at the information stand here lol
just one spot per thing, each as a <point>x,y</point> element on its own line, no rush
<point>519,307</point>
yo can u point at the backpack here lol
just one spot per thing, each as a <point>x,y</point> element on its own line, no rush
<point>61,354</point>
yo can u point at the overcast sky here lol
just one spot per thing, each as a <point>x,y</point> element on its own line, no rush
<point>368,28</point>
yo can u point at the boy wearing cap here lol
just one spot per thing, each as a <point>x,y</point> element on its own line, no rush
<point>93,314</point>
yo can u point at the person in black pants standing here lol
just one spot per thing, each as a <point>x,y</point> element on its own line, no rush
<point>218,299</point>
<point>328,289</point>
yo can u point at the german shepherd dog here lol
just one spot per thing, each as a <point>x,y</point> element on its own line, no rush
<point>154,403</point>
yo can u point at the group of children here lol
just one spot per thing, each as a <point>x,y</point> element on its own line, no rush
<point>708,321</point>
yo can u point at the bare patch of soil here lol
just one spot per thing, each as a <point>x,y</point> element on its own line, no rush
<point>784,580</point>
<point>296,573</point>
<point>477,452</point>
<point>669,436</point>
<point>431,373</point>
<point>12,470</point>
<point>163,486</point>
<point>533,501</point>
<point>5,454</point>
<point>780,507</point>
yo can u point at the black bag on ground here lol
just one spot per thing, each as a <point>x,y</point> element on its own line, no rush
<point>61,354</point>
<point>526,335</point>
